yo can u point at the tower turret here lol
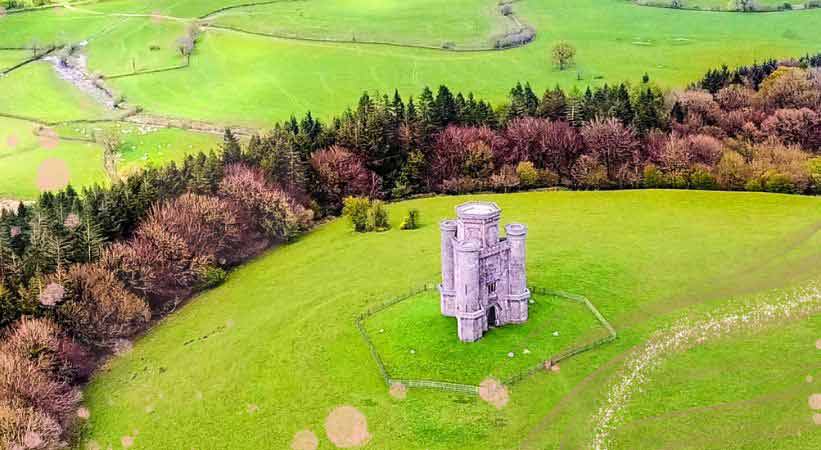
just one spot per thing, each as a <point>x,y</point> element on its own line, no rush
<point>518,295</point>
<point>469,312</point>
<point>446,289</point>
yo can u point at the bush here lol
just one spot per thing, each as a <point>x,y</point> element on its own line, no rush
<point>528,175</point>
<point>356,209</point>
<point>732,172</point>
<point>42,342</point>
<point>701,178</point>
<point>653,178</point>
<point>815,174</point>
<point>211,277</point>
<point>23,427</point>
<point>24,386</point>
<point>461,185</point>
<point>506,180</point>
<point>342,174</point>
<point>366,215</point>
<point>271,209</point>
<point>378,217</point>
<point>588,173</point>
<point>411,221</point>
<point>97,308</point>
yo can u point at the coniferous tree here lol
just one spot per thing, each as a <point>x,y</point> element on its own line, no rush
<point>231,150</point>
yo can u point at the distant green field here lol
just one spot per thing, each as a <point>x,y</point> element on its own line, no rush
<point>254,80</point>
<point>275,349</point>
<point>22,155</point>
<point>727,5</point>
<point>462,23</point>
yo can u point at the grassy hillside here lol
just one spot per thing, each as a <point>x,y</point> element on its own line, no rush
<point>274,350</point>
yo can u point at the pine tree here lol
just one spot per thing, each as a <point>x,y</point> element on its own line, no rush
<point>91,239</point>
<point>553,104</point>
<point>231,150</point>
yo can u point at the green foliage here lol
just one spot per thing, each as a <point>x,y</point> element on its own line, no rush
<point>378,219</point>
<point>701,178</point>
<point>366,215</point>
<point>211,276</point>
<point>528,174</point>
<point>356,210</point>
<point>654,178</point>
<point>411,220</point>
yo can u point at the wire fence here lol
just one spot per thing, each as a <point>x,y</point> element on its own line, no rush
<point>470,389</point>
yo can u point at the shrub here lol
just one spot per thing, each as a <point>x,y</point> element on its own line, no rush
<point>97,307</point>
<point>42,342</point>
<point>23,385</point>
<point>378,217</point>
<point>506,180</point>
<point>588,173</point>
<point>795,126</point>
<point>780,168</point>
<point>732,172</point>
<point>23,427</point>
<point>778,182</point>
<point>735,96</point>
<point>211,277</point>
<point>366,215</point>
<point>271,209</point>
<point>411,220</point>
<point>788,87</point>
<point>611,143</point>
<point>209,227</point>
<point>701,178</point>
<point>479,161</point>
<point>653,178</point>
<point>342,174</point>
<point>453,148</point>
<point>356,209</point>
<point>528,175</point>
<point>462,185</point>
<point>815,173</point>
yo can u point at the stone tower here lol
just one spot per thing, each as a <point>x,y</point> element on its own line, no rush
<point>484,283</point>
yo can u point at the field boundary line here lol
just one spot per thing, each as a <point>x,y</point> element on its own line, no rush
<point>449,386</point>
<point>28,61</point>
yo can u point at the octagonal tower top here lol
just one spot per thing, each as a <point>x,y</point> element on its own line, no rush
<point>478,211</point>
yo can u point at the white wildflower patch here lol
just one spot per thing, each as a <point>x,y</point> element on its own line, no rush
<point>685,335</point>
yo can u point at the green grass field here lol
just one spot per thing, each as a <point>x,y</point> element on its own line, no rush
<point>256,80</point>
<point>275,349</point>
<point>463,23</point>
<point>415,343</point>
<point>22,149</point>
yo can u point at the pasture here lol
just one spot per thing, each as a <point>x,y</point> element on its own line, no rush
<point>274,350</point>
<point>251,79</point>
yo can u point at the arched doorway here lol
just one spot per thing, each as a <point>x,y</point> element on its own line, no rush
<point>491,316</point>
